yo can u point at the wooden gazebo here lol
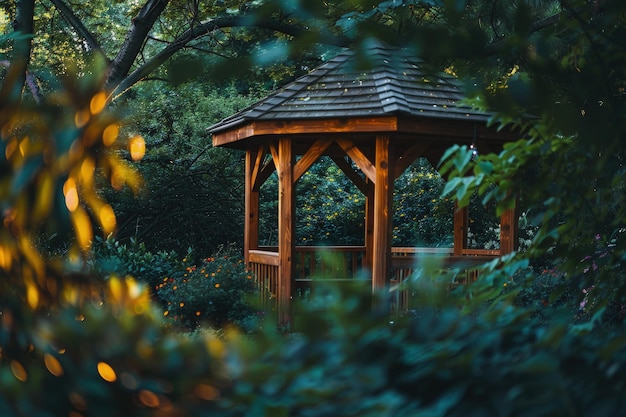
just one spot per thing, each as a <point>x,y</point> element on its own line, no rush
<point>382,119</point>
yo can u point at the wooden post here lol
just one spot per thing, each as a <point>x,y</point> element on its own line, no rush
<point>508,231</point>
<point>369,228</point>
<point>286,221</point>
<point>383,213</point>
<point>251,220</point>
<point>461,220</point>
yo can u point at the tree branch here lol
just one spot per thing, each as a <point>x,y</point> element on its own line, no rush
<point>208,27</point>
<point>134,41</point>
<point>74,21</point>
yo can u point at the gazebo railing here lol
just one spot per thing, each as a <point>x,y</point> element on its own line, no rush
<point>345,264</point>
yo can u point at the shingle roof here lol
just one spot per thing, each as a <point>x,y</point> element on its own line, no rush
<point>397,83</point>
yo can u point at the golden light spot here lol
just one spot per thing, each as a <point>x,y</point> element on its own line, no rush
<point>10,147</point>
<point>217,285</point>
<point>165,313</point>
<point>6,259</point>
<point>107,218</point>
<point>109,136</point>
<point>53,365</point>
<point>81,118</point>
<point>71,194</point>
<point>148,398</point>
<point>197,313</point>
<point>206,392</point>
<point>87,169</point>
<point>24,146</point>
<point>82,228</point>
<point>32,294</point>
<point>98,102</point>
<point>182,304</point>
<point>216,347</point>
<point>106,372</point>
<point>137,147</point>
<point>18,371</point>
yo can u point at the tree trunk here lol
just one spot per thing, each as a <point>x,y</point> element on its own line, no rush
<point>134,41</point>
<point>23,27</point>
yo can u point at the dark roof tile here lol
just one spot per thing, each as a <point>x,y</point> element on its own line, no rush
<point>395,84</point>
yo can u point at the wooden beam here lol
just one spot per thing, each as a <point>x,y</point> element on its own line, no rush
<point>251,219</point>
<point>351,174</point>
<point>256,161</point>
<point>409,156</point>
<point>369,228</point>
<point>286,221</point>
<point>275,157</point>
<point>267,170</point>
<point>359,158</point>
<point>454,130</point>
<point>383,213</point>
<point>301,126</point>
<point>315,151</point>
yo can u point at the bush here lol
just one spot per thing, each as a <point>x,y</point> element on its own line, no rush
<point>218,291</point>
<point>111,257</point>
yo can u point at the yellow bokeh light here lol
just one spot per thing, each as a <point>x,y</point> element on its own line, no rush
<point>32,294</point>
<point>11,146</point>
<point>116,288</point>
<point>106,372</point>
<point>81,118</point>
<point>6,258</point>
<point>98,102</point>
<point>71,194</point>
<point>53,365</point>
<point>87,169</point>
<point>137,147</point>
<point>19,371</point>
<point>82,228</point>
<point>107,218</point>
<point>109,136</point>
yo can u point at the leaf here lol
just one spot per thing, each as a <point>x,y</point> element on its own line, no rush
<point>451,185</point>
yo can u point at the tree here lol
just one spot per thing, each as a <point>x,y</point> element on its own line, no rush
<point>158,30</point>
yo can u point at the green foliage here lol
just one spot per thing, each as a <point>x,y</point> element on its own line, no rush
<point>351,360</point>
<point>217,292</point>
<point>220,291</point>
<point>110,257</point>
<point>193,194</point>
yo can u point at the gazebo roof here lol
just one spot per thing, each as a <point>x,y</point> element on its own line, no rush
<point>396,83</point>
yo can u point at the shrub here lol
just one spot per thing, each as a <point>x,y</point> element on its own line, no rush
<point>218,291</point>
<point>111,257</point>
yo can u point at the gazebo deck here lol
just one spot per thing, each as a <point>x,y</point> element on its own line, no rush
<point>345,264</point>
